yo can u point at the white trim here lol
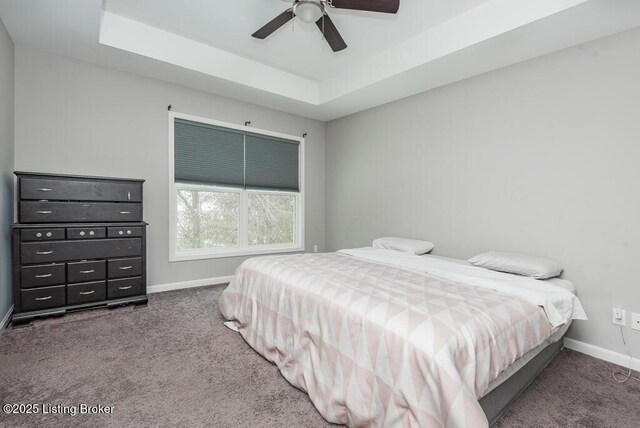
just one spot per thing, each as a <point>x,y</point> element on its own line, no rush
<point>5,321</point>
<point>298,246</point>
<point>171,187</point>
<point>603,354</point>
<point>159,288</point>
<point>206,254</point>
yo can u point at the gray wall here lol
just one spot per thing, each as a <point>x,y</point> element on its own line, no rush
<point>73,117</point>
<point>6,167</point>
<point>541,158</point>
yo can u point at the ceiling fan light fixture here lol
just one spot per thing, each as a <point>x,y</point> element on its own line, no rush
<point>308,10</point>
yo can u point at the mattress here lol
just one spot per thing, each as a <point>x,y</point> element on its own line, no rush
<point>526,358</point>
<point>376,343</point>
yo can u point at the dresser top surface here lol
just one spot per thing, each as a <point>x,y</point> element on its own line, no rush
<point>76,177</point>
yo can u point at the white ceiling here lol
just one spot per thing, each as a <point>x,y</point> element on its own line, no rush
<point>296,47</point>
<point>206,44</point>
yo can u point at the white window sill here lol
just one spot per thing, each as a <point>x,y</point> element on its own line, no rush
<point>209,254</point>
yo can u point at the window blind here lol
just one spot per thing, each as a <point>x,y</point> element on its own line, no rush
<point>271,163</point>
<point>214,155</point>
<point>207,154</point>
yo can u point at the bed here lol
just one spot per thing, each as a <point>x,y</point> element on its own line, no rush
<point>382,338</point>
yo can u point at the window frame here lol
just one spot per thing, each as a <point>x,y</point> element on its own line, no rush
<point>243,249</point>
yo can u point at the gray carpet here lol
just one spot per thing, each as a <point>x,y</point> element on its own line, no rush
<point>175,364</point>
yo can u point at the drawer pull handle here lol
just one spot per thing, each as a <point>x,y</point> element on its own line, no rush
<point>124,288</point>
<point>44,253</point>
<point>43,298</point>
<point>88,271</point>
<point>125,212</point>
<point>43,212</point>
<point>84,293</point>
<point>44,275</point>
<point>44,189</point>
<point>125,267</point>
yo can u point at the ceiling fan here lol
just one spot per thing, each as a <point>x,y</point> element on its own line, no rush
<point>316,11</point>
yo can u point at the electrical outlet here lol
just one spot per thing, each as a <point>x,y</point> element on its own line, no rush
<point>315,248</point>
<point>619,317</point>
<point>635,321</point>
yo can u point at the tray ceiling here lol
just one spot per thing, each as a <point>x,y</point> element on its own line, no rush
<point>207,44</point>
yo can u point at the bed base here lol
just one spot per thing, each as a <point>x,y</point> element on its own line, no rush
<point>496,402</point>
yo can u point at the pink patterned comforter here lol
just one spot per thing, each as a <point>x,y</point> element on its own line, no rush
<point>378,345</point>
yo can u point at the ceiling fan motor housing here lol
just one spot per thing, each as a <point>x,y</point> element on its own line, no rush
<point>308,10</point>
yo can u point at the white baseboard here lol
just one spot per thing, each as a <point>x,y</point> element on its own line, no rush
<point>159,288</point>
<point>5,321</point>
<point>603,354</point>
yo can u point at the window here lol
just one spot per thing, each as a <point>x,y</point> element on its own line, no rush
<point>233,190</point>
<point>207,219</point>
<point>271,218</point>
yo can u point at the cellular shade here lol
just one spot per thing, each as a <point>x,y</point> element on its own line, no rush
<point>271,163</point>
<point>208,154</point>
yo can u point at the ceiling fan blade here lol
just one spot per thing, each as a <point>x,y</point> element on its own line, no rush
<point>331,34</point>
<point>274,24</point>
<point>384,6</point>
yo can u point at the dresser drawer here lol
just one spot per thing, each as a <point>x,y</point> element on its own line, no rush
<point>79,190</point>
<point>119,232</point>
<point>41,234</point>
<point>86,292</point>
<point>61,212</point>
<point>121,268</point>
<point>86,233</point>
<point>39,276</point>
<point>86,271</point>
<point>56,251</point>
<point>117,288</point>
<point>35,299</point>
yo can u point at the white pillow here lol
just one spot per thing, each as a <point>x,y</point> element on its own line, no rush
<point>520,264</point>
<point>413,246</point>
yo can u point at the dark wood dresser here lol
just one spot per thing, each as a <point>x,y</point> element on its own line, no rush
<point>80,242</point>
